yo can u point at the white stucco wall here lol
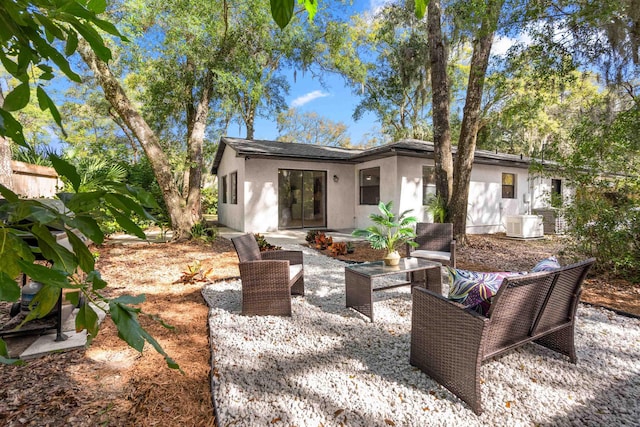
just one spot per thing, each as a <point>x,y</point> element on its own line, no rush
<point>231,215</point>
<point>487,210</point>
<point>261,191</point>
<point>410,180</point>
<point>400,181</point>
<point>389,188</point>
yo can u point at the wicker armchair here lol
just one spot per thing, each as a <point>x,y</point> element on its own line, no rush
<point>449,342</point>
<point>268,278</point>
<point>435,243</point>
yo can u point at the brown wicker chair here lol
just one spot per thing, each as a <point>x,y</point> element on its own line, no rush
<point>268,278</point>
<point>449,342</point>
<point>435,243</point>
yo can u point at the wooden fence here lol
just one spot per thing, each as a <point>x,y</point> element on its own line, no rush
<point>33,181</point>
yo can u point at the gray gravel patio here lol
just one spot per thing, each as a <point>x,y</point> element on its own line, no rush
<point>327,365</point>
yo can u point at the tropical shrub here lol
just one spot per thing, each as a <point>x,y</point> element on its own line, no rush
<point>25,234</point>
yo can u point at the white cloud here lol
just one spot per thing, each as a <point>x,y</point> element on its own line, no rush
<point>376,5</point>
<point>502,43</point>
<point>305,99</point>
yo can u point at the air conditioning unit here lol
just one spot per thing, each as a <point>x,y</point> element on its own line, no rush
<point>525,226</point>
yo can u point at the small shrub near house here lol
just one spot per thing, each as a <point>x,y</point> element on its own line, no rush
<point>323,241</point>
<point>311,236</point>
<point>263,244</point>
<point>338,248</point>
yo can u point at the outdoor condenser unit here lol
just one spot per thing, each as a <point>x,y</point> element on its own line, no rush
<point>525,226</point>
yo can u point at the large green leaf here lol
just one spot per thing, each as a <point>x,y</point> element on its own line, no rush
<point>67,170</point>
<point>10,127</point>
<point>84,256</point>
<point>9,195</point>
<point>126,321</point>
<point>47,275</point>
<point>129,329</point>
<point>282,11</point>
<point>18,98</point>
<point>146,198</point>
<point>87,319</point>
<point>95,279</point>
<point>87,226</point>
<point>127,224</point>
<point>97,6</point>
<point>46,103</point>
<point>311,7</point>
<point>421,8</point>
<point>124,203</point>
<point>82,202</point>
<point>4,356</point>
<point>9,289</point>
<point>42,303</point>
<point>12,249</point>
<point>62,258</point>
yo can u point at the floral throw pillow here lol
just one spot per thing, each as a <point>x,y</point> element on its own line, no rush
<point>547,264</point>
<point>475,289</point>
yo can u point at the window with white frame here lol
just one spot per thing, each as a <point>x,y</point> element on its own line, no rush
<point>508,186</point>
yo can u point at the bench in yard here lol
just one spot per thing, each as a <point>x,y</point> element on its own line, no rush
<point>450,342</point>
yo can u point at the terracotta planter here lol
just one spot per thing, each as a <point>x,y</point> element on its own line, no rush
<point>392,258</point>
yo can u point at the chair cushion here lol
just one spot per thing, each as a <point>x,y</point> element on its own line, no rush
<point>433,255</point>
<point>294,270</point>
<point>475,289</point>
<point>547,264</point>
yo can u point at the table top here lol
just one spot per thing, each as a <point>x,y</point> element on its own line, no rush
<point>377,268</point>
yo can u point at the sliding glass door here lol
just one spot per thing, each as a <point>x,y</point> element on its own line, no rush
<point>302,198</point>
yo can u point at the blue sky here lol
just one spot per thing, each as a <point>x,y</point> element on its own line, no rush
<point>333,101</point>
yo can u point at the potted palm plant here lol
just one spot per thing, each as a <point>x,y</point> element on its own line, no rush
<point>389,232</point>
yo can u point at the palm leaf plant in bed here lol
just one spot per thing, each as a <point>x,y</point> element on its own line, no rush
<point>389,232</point>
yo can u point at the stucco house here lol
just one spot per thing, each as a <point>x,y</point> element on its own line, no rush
<point>271,185</point>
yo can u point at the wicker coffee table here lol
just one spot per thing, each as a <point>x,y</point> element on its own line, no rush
<point>359,280</point>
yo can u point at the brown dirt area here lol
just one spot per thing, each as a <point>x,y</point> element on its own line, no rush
<point>110,384</point>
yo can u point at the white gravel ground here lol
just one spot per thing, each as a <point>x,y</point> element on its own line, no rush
<point>328,365</point>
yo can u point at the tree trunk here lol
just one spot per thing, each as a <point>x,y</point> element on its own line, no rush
<point>250,122</point>
<point>471,119</point>
<point>440,96</point>
<point>6,172</point>
<point>195,143</point>
<point>181,221</point>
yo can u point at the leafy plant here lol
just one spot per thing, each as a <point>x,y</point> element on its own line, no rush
<point>323,241</point>
<point>194,273</point>
<point>200,231</point>
<point>209,196</point>
<point>350,248</point>
<point>437,208</point>
<point>390,232</point>
<point>25,232</point>
<point>311,236</point>
<point>338,248</point>
<point>263,244</point>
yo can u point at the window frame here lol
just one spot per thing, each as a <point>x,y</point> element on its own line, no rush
<point>223,185</point>
<point>375,172</point>
<point>233,190</point>
<point>512,186</point>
